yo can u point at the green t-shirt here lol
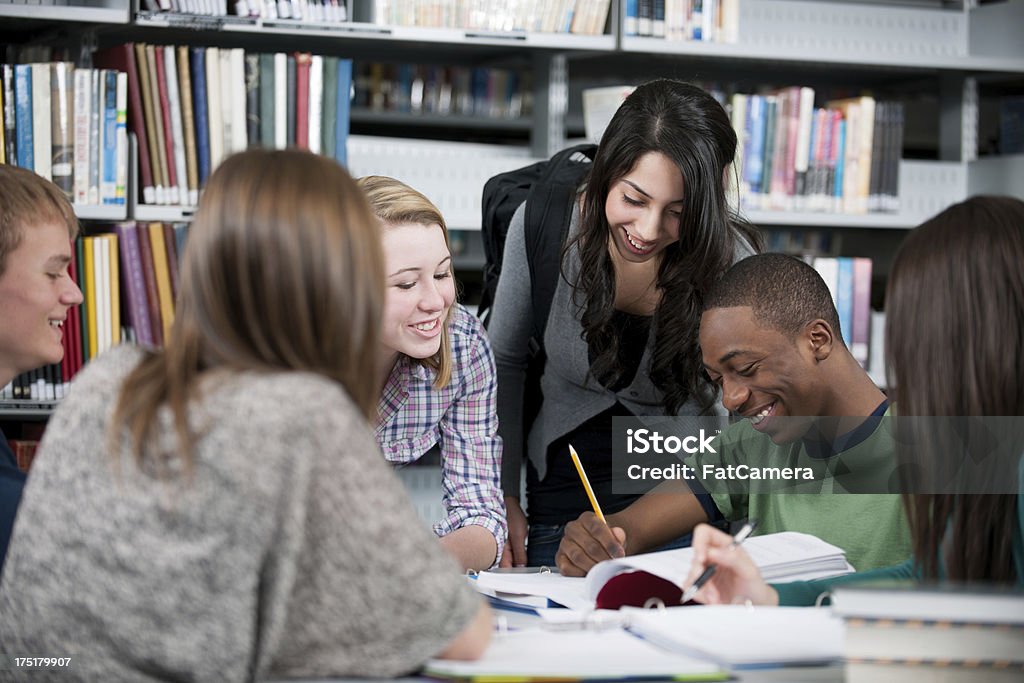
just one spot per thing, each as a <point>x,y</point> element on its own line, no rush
<point>870,527</point>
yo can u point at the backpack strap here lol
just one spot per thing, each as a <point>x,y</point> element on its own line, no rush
<point>549,208</point>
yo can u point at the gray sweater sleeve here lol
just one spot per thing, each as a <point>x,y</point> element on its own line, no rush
<point>509,330</point>
<point>356,566</point>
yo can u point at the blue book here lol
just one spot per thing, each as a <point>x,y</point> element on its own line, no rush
<point>837,187</point>
<point>108,168</point>
<point>629,28</point>
<point>754,155</point>
<point>23,115</point>
<point>343,110</point>
<point>844,299</point>
<point>198,63</point>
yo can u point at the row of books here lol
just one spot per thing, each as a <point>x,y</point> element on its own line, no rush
<point>705,20</point>
<point>798,242</point>
<point>849,281</point>
<point>67,125</point>
<point>191,107</point>
<point>581,17</point>
<point>129,283</point>
<point>842,158</point>
<point>419,88</point>
<point>332,11</point>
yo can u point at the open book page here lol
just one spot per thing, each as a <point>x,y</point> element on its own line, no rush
<point>782,557</point>
<point>587,654</point>
<point>739,636</point>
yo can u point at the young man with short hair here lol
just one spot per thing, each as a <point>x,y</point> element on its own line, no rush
<point>37,226</point>
<point>770,339</point>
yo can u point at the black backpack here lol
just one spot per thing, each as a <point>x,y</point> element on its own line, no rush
<point>549,189</point>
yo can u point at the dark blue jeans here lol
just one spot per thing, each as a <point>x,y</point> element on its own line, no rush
<point>543,539</point>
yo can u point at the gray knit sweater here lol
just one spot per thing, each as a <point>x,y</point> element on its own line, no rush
<point>293,551</point>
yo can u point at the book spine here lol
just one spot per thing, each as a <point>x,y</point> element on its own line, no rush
<point>152,294</point>
<point>41,133</point>
<point>252,98</point>
<point>302,60</point>
<point>344,110</point>
<point>134,283</point>
<point>10,115</point>
<point>266,92</point>
<point>23,115</point>
<point>108,154</point>
<point>189,123</point>
<point>330,106</point>
<point>844,298</point>
<point>239,125</point>
<point>280,100</point>
<point>861,333</point>
<point>62,159</point>
<point>170,246</point>
<point>214,107</point>
<point>166,127</point>
<point>198,57</point>
<point>83,105</point>
<point>163,278</point>
<point>316,103</point>
<point>176,126</point>
<point>115,289</point>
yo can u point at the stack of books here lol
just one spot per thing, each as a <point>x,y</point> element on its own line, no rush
<point>895,633</point>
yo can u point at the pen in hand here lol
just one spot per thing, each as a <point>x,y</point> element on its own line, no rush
<point>709,571</point>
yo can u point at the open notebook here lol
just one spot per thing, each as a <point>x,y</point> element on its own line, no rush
<point>782,557</point>
<point>599,655</point>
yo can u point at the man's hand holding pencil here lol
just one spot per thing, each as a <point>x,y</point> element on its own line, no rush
<point>589,539</point>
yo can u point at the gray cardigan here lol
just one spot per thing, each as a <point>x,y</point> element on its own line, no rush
<point>571,395</point>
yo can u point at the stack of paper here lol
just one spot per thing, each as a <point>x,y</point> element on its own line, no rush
<point>603,655</point>
<point>740,637</point>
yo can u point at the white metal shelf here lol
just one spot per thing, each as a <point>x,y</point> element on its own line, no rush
<point>849,34</point>
<point>164,214</point>
<point>101,212</point>
<point>87,14</point>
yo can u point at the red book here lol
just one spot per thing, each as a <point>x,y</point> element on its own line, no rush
<point>165,108</point>
<point>122,58</point>
<point>152,295</point>
<point>302,60</point>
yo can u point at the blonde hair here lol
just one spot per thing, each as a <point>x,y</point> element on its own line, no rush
<point>282,270</point>
<point>395,203</point>
<point>28,200</point>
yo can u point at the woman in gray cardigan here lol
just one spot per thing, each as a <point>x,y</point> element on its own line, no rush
<point>651,231</point>
<point>218,510</point>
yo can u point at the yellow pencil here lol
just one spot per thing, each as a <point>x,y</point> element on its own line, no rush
<point>586,484</point>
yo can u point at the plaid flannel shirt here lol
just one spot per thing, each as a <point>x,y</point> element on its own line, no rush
<point>461,417</point>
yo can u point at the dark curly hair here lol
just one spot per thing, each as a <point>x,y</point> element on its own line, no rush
<point>691,128</point>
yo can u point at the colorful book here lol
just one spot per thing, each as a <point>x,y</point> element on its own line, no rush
<point>152,292</point>
<point>197,56</point>
<point>123,58</point>
<point>189,125</point>
<point>41,134</point>
<point>163,277</point>
<point>134,280</point>
<point>23,113</point>
<point>62,156</point>
<point>341,123</point>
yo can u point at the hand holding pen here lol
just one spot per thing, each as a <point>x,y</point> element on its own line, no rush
<point>722,572</point>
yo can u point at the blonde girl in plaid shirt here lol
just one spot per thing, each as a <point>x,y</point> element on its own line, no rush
<point>437,376</point>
